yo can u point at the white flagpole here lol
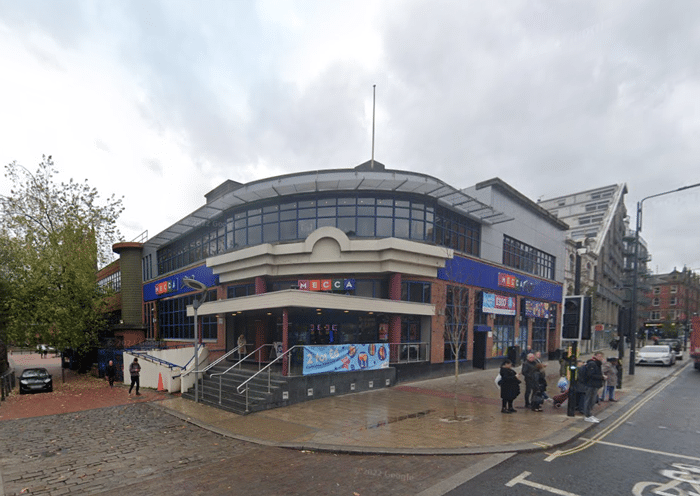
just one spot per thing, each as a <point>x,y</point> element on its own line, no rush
<point>374,93</point>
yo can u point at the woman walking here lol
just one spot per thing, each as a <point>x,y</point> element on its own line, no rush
<point>510,386</point>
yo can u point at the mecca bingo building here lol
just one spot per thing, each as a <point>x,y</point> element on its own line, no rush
<point>364,267</point>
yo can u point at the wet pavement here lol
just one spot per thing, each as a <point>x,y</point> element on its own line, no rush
<point>423,417</point>
<point>86,438</point>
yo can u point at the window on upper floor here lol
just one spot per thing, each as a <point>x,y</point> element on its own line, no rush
<point>674,289</point>
<point>527,258</point>
<point>654,315</point>
<point>418,292</point>
<point>657,290</point>
<point>674,301</point>
<point>655,302</point>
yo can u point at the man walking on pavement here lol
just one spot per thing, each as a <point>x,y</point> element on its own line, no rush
<point>134,370</point>
<point>593,379</point>
<point>528,370</point>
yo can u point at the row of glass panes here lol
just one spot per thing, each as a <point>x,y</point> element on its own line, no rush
<point>366,217</point>
<point>527,258</point>
<point>173,322</point>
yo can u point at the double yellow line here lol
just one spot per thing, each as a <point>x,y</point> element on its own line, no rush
<point>598,437</point>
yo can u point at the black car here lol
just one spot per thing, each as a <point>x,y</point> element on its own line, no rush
<point>675,345</point>
<point>33,380</point>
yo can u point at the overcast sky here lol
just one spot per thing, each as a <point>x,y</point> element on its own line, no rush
<point>162,101</point>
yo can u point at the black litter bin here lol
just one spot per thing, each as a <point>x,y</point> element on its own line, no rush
<point>514,355</point>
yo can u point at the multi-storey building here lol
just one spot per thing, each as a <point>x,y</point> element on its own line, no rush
<point>673,299</point>
<point>363,256</point>
<point>597,226</point>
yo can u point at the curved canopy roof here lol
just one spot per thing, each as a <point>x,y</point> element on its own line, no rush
<point>358,179</point>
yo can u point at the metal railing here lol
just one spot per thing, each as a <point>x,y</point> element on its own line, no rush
<point>257,351</point>
<point>409,352</point>
<point>207,368</point>
<point>267,367</point>
<point>7,383</point>
<point>151,358</point>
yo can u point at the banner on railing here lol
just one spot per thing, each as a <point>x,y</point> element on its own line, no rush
<point>345,358</point>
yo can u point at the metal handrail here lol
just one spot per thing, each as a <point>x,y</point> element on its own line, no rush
<point>268,367</point>
<point>152,358</point>
<point>215,362</point>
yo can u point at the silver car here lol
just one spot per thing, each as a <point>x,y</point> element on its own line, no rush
<point>655,355</point>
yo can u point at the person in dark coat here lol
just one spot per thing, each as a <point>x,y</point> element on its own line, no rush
<point>539,378</point>
<point>111,373</point>
<point>510,386</point>
<point>593,379</point>
<point>527,370</point>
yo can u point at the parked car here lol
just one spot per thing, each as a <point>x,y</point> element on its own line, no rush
<point>655,354</point>
<point>675,345</point>
<point>35,380</point>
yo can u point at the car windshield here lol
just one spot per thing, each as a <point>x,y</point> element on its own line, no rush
<point>38,373</point>
<point>655,349</point>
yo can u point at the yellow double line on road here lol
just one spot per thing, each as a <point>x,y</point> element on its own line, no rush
<point>623,418</point>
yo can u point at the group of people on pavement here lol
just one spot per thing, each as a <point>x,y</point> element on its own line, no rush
<point>535,378</point>
<point>134,372</point>
<point>591,376</point>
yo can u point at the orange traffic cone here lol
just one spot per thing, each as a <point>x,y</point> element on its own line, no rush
<point>160,382</point>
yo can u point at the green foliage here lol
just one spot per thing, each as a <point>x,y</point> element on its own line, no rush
<point>38,209</point>
<point>52,240</point>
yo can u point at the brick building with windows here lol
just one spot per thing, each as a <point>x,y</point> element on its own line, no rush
<point>672,300</point>
<point>360,257</point>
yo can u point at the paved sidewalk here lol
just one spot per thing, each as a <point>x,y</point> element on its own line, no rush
<point>417,418</point>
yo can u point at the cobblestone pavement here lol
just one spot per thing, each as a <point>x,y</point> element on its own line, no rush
<point>139,449</point>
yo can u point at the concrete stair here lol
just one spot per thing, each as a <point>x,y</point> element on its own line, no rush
<point>258,396</point>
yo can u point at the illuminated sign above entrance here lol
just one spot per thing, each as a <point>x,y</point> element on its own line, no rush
<point>327,284</point>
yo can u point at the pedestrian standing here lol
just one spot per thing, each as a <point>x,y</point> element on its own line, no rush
<point>593,379</point>
<point>111,373</point>
<point>134,370</point>
<point>527,370</point>
<point>539,393</point>
<point>241,346</point>
<point>610,372</point>
<point>510,386</point>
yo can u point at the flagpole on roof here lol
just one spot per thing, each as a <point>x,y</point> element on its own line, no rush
<point>374,93</point>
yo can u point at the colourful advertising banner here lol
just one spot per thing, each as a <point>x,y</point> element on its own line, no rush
<point>537,309</point>
<point>345,358</point>
<point>502,305</point>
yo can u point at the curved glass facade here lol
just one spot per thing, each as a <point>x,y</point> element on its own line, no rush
<point>417,218</point>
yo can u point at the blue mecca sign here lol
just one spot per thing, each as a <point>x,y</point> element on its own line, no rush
<point>172,286</point>
<point>478,274</point>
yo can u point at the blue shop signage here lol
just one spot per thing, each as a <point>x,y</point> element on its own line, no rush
<point>473,273</point>
<point>172,285</point>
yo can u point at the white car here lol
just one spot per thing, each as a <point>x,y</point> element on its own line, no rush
<point>656,354</point>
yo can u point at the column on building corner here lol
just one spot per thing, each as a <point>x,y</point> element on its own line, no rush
<point>261,324</point>
<point>285,340</point>
<point>394,320</point>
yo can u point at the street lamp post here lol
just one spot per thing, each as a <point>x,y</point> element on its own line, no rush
<point>197,286</point>
<point>635,310</point>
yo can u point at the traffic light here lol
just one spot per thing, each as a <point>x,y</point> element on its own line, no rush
<point>576,321</point>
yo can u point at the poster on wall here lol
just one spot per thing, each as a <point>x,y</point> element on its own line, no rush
<point>536,309</point>
<point>345,358</point>
<point>502,305</point>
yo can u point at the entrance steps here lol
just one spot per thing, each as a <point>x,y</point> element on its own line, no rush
<point>258,396</point>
